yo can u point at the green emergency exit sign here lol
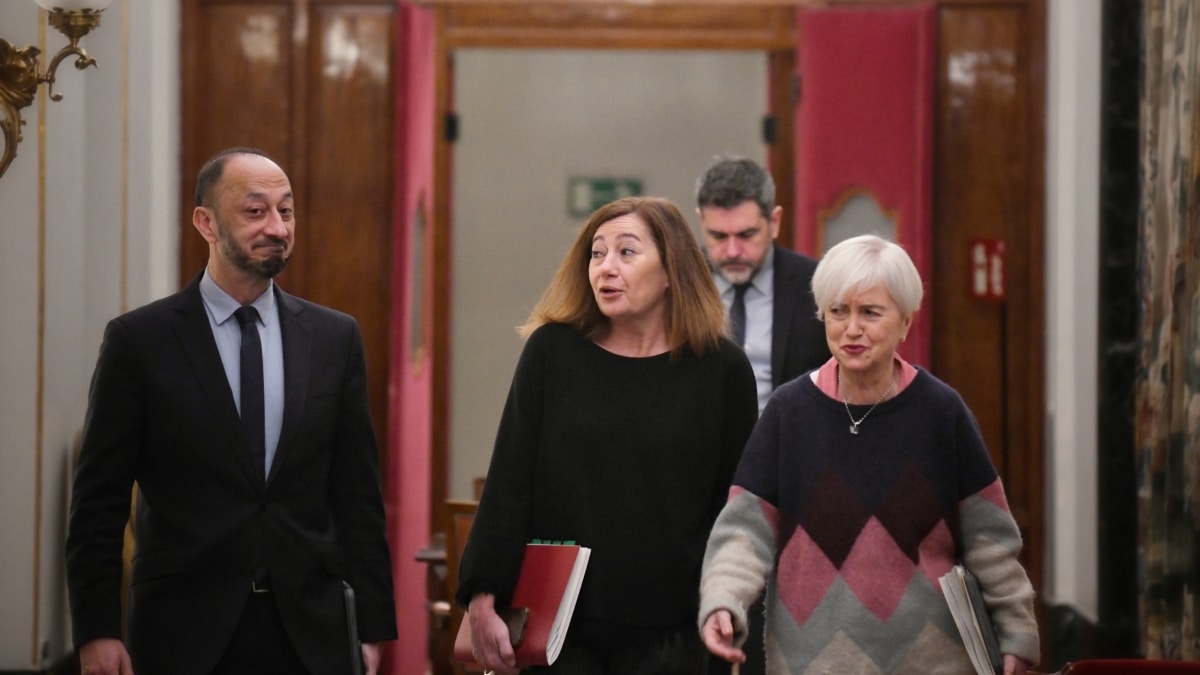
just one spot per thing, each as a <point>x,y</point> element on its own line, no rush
<point>588,193</point>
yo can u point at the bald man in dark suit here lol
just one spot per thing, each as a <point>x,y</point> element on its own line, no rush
<point>259,492</point>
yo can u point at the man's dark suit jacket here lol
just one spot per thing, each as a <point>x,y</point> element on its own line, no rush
<point>797,338</point>
<point>161,412</point>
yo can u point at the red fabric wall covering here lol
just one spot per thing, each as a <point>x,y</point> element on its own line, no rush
<point>406,483</point>
<point>866,121</point>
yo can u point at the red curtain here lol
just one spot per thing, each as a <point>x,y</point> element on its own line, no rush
<point>406,481</point>
<point>865,123</point>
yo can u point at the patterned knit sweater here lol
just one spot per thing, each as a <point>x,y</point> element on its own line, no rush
<point>851,532</point>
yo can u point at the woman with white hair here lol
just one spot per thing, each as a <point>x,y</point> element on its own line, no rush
<point>864,482</point>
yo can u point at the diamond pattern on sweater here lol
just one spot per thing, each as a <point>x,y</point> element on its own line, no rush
<point>936,553</point>
<point>833,515</point>
<point>840,617</point>
<point>804,575</point>
<point>840,656</point>
<point>935,653</point>
<point>910,510</point>
<point>877,571</point>
<point>852,507</point>
<point>836,510</point>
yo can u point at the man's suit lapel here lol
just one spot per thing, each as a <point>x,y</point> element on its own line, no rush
<point>192,329</point>
<point>297,355</point>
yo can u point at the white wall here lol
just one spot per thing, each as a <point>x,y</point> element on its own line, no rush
<point>529,120</point>
<point>1072,305</point>
<point>19,285</point>
<point>87,230</point>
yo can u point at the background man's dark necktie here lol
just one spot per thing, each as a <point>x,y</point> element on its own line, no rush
<point>737,313</point>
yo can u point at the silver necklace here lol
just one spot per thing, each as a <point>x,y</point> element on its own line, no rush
<point>854,424</point>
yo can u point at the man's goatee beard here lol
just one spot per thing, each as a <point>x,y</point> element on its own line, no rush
<point>271,267</point>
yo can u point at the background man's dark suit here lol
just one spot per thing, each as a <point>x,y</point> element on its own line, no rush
<point>162,413</point>
<point>797,337</point>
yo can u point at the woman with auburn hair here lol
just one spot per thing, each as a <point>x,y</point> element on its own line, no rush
<point>625,419</point>
<point>695,319</point>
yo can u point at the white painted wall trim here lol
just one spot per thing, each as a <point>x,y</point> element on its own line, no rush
<point>88,224</point>
<point>1072,321</point>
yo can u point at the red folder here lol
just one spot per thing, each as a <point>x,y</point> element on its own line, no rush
<point>548,587</point>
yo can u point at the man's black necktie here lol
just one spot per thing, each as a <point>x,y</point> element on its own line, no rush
<point>252,387</point>
<point>737,313</point>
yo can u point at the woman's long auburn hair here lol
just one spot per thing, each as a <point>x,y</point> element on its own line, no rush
<point>695,315</point>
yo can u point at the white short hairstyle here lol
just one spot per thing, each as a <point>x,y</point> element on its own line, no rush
<point>863,262</point>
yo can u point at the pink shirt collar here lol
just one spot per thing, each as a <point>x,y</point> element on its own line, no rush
<point>825,377</point>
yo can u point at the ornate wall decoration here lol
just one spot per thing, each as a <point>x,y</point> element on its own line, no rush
<point>1168,385</point>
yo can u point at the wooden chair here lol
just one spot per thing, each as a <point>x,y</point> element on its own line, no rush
<point>462,514</point>
<point>1130,667</point>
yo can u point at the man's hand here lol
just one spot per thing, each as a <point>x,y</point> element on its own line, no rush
<point>104,656</point>
<point>717,634</point>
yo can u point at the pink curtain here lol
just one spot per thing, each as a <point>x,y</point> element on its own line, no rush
<point>865,124</point>
<point>406,481</point>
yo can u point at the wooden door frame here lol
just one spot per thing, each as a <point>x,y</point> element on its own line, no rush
<point>749,25</point>
<point>755,25</point>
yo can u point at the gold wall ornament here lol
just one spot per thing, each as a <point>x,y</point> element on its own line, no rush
<point>19,74</point>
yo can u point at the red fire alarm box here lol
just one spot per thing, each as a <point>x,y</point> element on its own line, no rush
<point>987,269</point>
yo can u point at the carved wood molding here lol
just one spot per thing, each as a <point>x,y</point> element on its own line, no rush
<point>659,24</point>
<point>619,3</point>
<point>630,24</point>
